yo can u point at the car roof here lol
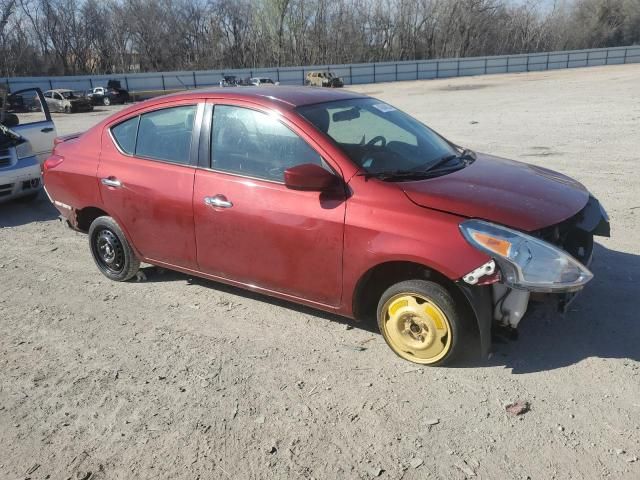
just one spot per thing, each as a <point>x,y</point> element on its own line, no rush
<point>61,90</point>
<point>285,96</point>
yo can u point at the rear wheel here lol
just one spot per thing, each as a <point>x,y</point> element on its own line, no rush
<point>106,101</point>
<point>111,250</point>
<point>419,321</point>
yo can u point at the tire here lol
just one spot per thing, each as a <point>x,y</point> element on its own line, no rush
<point>420,322</point>
<point>106,101</point>
<point>111,251</point>
<point>67,109</point>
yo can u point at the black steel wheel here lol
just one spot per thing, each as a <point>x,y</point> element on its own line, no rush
<point>111,250</point>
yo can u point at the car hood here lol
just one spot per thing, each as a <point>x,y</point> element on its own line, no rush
<point>515,194</point>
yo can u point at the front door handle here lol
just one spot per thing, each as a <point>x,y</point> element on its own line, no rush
<point>219,201</point>
<point>47,130</point>
<point>111,182</point>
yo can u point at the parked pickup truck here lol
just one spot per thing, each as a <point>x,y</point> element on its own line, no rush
<point>26,139</point>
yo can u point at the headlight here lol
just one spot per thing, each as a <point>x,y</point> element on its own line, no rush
<point>526,262</point>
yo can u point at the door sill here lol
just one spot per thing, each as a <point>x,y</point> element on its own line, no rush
<point>247,286</point>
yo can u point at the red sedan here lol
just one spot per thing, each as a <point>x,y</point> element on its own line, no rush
<point>331,199</point>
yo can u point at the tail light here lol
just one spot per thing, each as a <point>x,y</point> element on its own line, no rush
<point>52,162</point>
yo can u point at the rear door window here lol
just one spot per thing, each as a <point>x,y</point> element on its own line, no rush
<point>166,134</point>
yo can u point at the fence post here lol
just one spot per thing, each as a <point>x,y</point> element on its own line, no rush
<point>195,83</point>
<point>90,83</point>
<point>547,62</point>
<point>374,73</point>
<point>458,68</point>
<point>350,74</point>
<point>485,65</point>
<point>527,62</point>
<point>277,74</point>
<point>508,63</point>
<point>396,72</point>
<point>606,58</point>
<point>588,55</point>
<point>417,73</point>
<point>568,58</point>
<point>625,55</point>
<point>163,86</point>
<point>437,68</point>
<point>50,85</point>
<point>126,82</point>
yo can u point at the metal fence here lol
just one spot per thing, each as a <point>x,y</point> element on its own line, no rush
<point>357,73</point>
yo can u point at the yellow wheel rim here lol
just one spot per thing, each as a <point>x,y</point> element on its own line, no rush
<point>416,328</point>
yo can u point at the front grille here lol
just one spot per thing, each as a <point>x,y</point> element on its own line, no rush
<point>6,157</point>
<point>570,237</point>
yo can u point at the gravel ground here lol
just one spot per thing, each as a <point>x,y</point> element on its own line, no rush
<point>177,377</point>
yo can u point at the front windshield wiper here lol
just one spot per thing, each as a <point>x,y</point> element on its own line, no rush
<point>466,154</point>
<point>433,169</point>
<point>397,174</point>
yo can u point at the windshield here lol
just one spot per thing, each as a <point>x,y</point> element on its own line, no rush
<point>378,137</point>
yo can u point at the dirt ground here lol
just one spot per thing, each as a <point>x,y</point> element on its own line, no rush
<point>177,377</point>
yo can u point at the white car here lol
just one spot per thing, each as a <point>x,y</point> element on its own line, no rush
<point>26,140</point>
<point>262,81</point>
<point>67,101</point>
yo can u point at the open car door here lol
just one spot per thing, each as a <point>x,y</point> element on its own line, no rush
<point>26,113</point>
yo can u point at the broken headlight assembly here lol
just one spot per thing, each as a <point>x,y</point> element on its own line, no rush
<point>526,262</point>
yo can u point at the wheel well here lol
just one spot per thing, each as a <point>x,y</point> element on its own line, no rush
<point>375,281</point>
<point>86,216</point>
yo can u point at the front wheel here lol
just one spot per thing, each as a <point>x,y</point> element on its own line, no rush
<point>106,101</point>
<point>111,250</point>
<point>420,322</point>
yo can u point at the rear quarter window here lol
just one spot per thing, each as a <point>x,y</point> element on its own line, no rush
<point>125,135</point>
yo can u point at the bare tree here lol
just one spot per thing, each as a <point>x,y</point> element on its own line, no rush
<point>99,36</point>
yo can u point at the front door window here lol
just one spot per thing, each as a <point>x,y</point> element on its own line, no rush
<point>257,145</point>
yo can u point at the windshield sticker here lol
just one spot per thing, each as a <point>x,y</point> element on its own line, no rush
<point>383,107</point>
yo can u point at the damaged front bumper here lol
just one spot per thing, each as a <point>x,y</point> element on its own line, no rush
<point>505,304</point>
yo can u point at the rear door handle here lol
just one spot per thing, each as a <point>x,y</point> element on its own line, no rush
<point>219,201</point>
<point>111,182</point>
<point>47,130</point>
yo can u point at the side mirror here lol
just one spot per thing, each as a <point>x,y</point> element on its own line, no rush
<point>309,177</point>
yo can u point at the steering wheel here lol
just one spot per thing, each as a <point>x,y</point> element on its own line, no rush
<point>374,140</point>
<point>381,161</point>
